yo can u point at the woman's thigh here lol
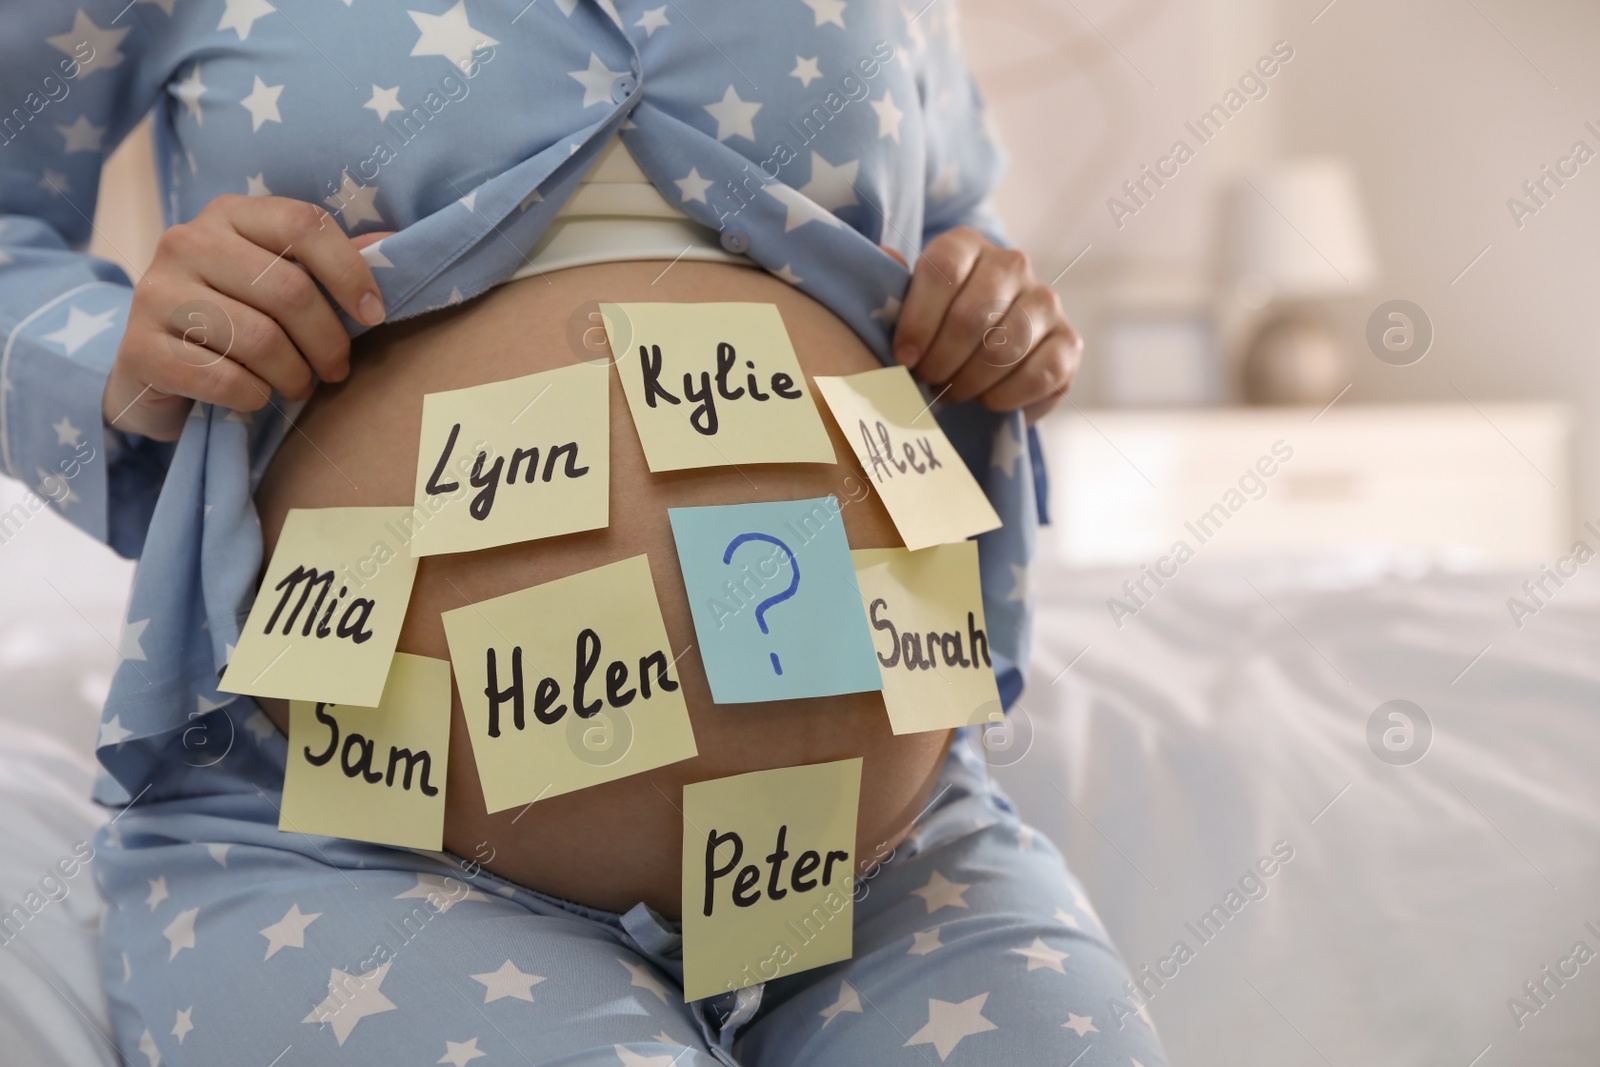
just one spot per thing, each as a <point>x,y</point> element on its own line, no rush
<point>973,945</point>
<point>223,947</point>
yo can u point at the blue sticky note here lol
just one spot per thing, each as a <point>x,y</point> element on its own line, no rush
<point>773,593</point>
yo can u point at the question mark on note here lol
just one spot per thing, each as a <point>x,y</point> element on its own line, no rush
<point>777,598</point>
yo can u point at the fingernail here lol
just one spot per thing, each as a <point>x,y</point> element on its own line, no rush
<point>371,308</point>
<point>905,355</point>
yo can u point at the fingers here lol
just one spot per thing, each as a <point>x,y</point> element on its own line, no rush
<point>1042,379</point>
<point>1006,342</point>
<point>302,231</point>
<point>994,283</point>
<point>302,321</point>
<point>938,276</point>
<point>230,310</point>
<point>164,364</point>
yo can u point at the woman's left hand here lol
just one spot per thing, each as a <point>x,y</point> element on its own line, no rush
<point>978,324</point>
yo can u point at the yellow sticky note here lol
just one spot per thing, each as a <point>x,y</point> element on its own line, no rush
<point>373,774</point>
<point>714,384</point>
<point>768,874</point>
<point>327,616</point>
<point>514,460</point>
<point>930,493</point>
<point>568,684</point>
<point>926,611</point>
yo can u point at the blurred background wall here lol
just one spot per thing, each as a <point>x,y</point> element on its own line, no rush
<point>1442,107</point>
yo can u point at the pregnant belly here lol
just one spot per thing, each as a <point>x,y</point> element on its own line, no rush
<point>613,845</point>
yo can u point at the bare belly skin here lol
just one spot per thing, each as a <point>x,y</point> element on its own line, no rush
<point>614,845</point>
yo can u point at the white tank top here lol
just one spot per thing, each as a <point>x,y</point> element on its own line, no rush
<point>617,214</point>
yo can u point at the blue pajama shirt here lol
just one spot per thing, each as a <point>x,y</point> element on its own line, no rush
<point>807,135</point>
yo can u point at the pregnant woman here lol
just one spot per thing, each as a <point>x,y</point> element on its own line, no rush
<point>519,163</point>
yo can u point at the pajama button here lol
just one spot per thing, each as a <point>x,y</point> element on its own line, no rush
<point>736,241</point>
<point>623,88</point>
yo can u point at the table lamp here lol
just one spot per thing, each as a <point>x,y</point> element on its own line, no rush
<point>1295,238</point>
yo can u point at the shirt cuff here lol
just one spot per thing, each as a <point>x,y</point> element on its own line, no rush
<point>52,376</point>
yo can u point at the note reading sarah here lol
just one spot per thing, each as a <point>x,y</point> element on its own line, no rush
<point>773,595</point>
<point>714,384</point>
<point>768,874</point>
<point>373,774</point>
<point>931,495</point>
<point>327,616</point>
<point>514,460</point>
<point>568,684</point>
<point>926,613</point>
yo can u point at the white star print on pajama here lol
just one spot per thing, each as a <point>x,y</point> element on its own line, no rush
<point>940,892</point>
<point>351,998</point>
<point>950,1024</point>
<point>81,328</point>
<point>262,103</point>
<point>734,116</point>
<point>289,931</point>
<point>449,35</point>
<point>508,981</point>
<point>1040,955</point>
<point>849,1000</point>
<point>180,932</point>
<point>461,1053</point>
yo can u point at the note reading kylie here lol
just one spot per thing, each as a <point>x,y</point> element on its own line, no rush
<point>926,613</point>
<point>768,874</point>
<point>931,495</point>
<point>327,616</point>
<point>539,449</point>
<point>568,684</point>
<point>714,384</point>
<point>373,774</point>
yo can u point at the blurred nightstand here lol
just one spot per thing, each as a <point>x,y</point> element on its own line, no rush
<point>1491,480</point>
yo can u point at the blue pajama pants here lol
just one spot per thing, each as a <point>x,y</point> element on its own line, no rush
<point>228,941</point>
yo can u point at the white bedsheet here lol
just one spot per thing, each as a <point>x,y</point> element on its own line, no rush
<point>1224,718</point>
<point>52,1003</point>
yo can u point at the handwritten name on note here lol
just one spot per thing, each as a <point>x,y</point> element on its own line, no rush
<point>539,466</point>
<point>316,632</point>
<point>714,384</point>
<point>926,613</point>
<point>749,914</point>
<point>568,684</point>
<point>931,495</point>
<point>373,774</point>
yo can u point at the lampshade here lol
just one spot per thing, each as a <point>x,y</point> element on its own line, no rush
<point>1296,229</point>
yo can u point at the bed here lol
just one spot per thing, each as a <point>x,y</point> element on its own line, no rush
<point>1168,757</point>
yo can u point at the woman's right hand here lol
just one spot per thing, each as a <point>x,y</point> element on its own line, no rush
<point>229,311</point>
